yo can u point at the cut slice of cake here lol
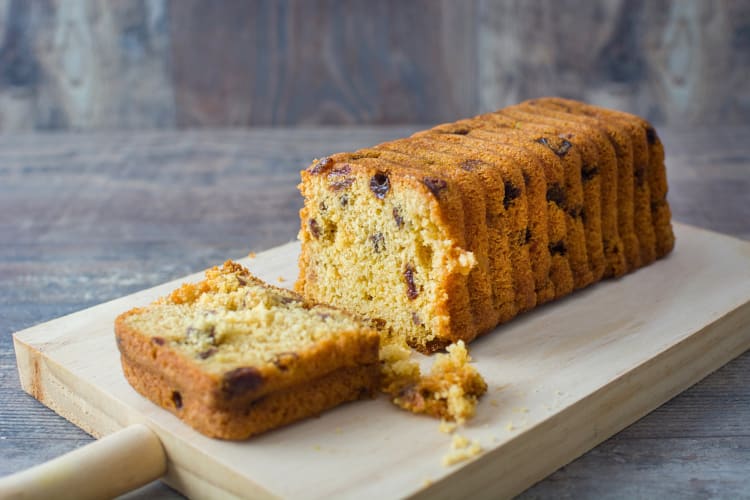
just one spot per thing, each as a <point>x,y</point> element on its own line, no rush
<point>233,356</point>
<point>388,241</point>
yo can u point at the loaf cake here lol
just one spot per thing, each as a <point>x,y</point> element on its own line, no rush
<point>441,236</point>
<point>233,356</point>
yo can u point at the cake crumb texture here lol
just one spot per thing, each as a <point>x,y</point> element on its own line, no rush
<point>450,391</point>
<point>233,356</point>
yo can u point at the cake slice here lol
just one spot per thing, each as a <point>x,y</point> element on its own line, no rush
<point>588,212</point>
<point>526,216</point>
<point>571,197</point>
<point>623,146</point>
<point>495,200</point>
<point>233,357</point>
<point>655,172</point>
<point>387,241</point>
<point>485,307</point>
<point>549,171</point>
<point>602,171</point>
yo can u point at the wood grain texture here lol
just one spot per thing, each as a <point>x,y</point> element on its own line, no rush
<point>681,63</point>
<point>302,62</point>
<point>93,65</point>
<point>84,65</point>
<point>86,218</point>
<point>562,380</point>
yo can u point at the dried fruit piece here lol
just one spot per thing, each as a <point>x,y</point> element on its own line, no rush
<point>557,248</point>
<point>411,287</point>
<point>314,228</point>
<point>339,178</point>
<point>320,165</point>
<point>397,217</point>
<point>177,399</point>
<point>341,184</point>
<point>380,184</point>
<point>588,172</point>
<point>345,169</point>
<point>556,194</point>
<point>434,184</point>
<point>511,193</point>
<point>378,242</point>
<point>240,381</point>
<point>561,150</point>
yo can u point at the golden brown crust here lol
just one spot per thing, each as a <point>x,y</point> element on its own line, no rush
<point>586,177</point>
<point>499,264</point>
<point>572,200</point>
<point>449,315</point>
<point>661,216</point>
<point>604,168</point>
<point>583,210</point>
<point>544,170</point>
<point>623,147</point>
<point>274,410</point>
<point>526,217</point>
<point>226,352</point>
<point>484,313</point>
<point>348,350</point>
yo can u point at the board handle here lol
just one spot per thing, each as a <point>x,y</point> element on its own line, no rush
<point>111,466</point>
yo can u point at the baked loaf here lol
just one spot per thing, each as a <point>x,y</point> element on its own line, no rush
<point>233,356</point>
<point>441,236</point>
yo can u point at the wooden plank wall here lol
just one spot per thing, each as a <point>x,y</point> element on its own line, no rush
<point>96,64</point>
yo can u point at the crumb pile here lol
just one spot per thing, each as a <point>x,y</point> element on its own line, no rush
<point>450,391</point>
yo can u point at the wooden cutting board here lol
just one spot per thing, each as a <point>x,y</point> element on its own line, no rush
<point>561,379</point>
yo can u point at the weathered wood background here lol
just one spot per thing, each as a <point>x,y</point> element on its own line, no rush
<point>95,64</point>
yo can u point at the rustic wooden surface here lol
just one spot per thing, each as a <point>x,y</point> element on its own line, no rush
<point>89,64</point>
<point>601,360</point>
<point>85,218</point>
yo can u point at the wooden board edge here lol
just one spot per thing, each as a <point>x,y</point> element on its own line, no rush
<point>44,379</point>
<point>32,367</point>
<point>526,460</point>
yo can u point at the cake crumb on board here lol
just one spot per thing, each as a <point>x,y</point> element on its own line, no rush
<point>447,427</point>
<point>450,391</point>
<point>462,448</point>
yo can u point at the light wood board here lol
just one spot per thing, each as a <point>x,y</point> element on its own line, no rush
<point>561,379</point>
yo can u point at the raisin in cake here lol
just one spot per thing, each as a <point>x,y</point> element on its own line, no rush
<point>233,357</point>
<point>442,235</point>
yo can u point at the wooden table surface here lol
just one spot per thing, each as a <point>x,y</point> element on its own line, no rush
<point>85,218</point>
